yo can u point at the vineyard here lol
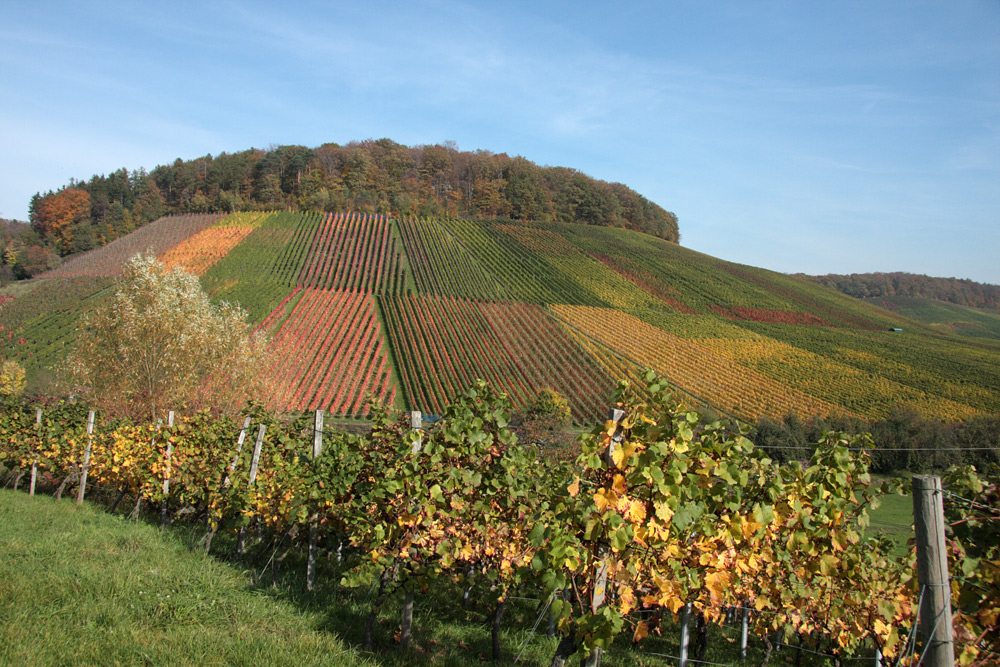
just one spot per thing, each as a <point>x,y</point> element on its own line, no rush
<point>332,353</point>
<point>528,306</point>
<point>662,516</point>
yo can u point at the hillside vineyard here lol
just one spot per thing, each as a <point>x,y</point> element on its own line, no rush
<point>413,310</point>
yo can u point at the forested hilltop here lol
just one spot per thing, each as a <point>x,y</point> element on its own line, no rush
<point>958,291</point>
<point>370,177</point>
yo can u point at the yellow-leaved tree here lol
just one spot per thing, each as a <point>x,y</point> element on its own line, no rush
<point>160,344</point>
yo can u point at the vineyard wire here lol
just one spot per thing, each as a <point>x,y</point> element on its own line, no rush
<point>538,620</point>
<point>970,503</point>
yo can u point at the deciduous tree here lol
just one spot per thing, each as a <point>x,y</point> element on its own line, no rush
<point>160,344</point>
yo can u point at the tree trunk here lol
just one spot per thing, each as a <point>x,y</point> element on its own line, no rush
<point>566,648</point>
<point>700,647</point>
<point>121,494</point>
<point>406,622</point>
<point>367,643</point>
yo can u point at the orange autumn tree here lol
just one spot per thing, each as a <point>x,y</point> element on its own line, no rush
<point>53,215</point>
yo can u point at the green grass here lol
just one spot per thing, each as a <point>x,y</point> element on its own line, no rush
<point>943,316</point>
<point>894,519</point>
<point>81,587</point>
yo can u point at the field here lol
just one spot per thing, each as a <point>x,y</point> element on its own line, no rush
<point>529,306</point>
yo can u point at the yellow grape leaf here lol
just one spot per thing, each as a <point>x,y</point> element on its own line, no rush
<point>663,512</point>
<point>828,564</point>
<point>679,447</point>
<point>968,656</point>
<point>626,597</point>
<point>605,498</point>
<point>623,452</point>
<point>405,519</point>
<point>641,631</point>
<point>574,488</point>
<point>761,603</point>
<point>636,511</point>
<point>618,485</point>
<point>880,627</point>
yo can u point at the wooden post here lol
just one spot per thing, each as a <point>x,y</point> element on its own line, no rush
<point>313,528</point>
<point>685,635</point>
<point>744,632</point>
<point>417,424</point>
<point>239,448</point>
<point>86,459</point>
<point>254,463</point>
<point>212,527</point>
<point>166,472</point>
<point>34,462</point>
<point>601,576</point>
<point>932,572</point>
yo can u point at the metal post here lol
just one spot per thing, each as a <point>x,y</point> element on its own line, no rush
<point>744,632</point>
<point>685,635</point>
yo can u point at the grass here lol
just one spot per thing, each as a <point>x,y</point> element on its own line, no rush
<point>894,518</point>
<point>81,586</point>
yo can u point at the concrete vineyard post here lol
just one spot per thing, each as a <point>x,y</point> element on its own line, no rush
<point>86,459</point>
<point>38,444</point>
<point>406,619</point>
<point>166,471</point>
<point>313,528</point>
<point>417,424</point>
<point>932,572</point>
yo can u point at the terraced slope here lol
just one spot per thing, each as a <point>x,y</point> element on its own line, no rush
<point>413,310</point>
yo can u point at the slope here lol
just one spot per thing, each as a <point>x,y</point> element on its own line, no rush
<point>413,309</point>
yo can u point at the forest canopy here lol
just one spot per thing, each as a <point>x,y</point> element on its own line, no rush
<point>960,291</point>
<point>373,176</point>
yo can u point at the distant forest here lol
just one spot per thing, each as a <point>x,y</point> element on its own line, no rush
<point>959,291</point>
<point>374,176</point>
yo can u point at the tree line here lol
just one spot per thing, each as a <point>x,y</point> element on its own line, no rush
<point>372,176</point>
<point>960,291</point>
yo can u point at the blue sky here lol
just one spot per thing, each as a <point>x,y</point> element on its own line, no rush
<point>800,136</point>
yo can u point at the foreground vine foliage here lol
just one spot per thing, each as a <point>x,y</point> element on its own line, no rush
<point>660,514</point>
<point>685,513</point>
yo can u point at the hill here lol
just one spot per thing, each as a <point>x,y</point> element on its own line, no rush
<point>412,309</point>
<point>961,320</point>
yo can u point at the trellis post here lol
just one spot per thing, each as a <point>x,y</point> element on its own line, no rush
<point>254,463</point>
<point>166,471</point>
<point>313,528</point>
<point>932,572</point>
<point>417,424</point>
<point>601,576</point>
<point>744,632</point>
<point>685,635</point>
<point>34,462</point>
<point>86,459</point>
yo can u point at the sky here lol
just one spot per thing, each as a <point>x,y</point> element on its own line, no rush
<point>799,135</point>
